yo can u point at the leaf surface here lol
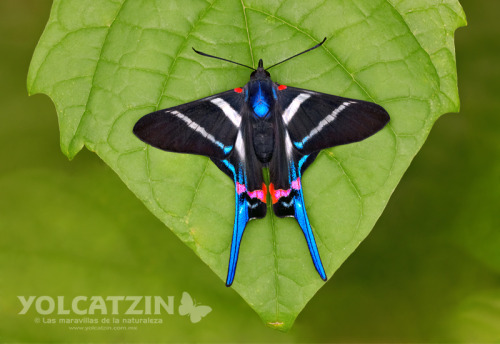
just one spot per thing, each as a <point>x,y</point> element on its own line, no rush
<point>107,63</point>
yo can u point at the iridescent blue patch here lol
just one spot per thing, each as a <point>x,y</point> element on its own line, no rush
<point>299,145</point>
<point>261,109</point>
<point>259,104</point>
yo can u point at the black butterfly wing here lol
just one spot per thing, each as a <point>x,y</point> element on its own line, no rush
<point>217,127</point>
<point>311,121</point>
<point>317,121</point>
<point>206,126</point>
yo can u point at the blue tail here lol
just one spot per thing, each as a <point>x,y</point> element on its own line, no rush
<point>240,222</point>
<point>301,216</point>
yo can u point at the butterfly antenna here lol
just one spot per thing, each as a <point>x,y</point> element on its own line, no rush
<point>305,51</point>
<point>220,58</point>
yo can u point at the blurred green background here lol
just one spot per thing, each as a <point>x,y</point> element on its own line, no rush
<point>428,272</point>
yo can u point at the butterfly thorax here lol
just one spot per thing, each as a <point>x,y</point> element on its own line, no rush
<point>260,97</point>
<point>261,103</point>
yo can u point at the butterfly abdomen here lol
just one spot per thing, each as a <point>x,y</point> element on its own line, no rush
<point>263,140</point>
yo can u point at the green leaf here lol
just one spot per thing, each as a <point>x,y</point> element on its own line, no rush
<point>107,63</point>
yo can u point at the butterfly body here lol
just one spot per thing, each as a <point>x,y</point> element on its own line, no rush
<point>263,124</point>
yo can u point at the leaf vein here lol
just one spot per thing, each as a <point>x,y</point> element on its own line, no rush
<point>92,83</point>
<point>248,32</point>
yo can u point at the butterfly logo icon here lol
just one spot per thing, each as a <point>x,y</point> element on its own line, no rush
<point>188,307</point>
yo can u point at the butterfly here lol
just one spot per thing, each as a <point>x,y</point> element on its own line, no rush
<point>189,307</point>
<point>263,124</point>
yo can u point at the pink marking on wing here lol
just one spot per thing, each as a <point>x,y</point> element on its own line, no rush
<point>240,188</point>
<point>260,194</point>
<point>296,184</point>
<point>281,193</point>
<point>256,194</point>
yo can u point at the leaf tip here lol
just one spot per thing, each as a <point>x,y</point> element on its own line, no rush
<point>278,325</point>
<point>73,148</point>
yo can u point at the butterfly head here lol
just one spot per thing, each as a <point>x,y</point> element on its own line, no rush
<point>260,73</point>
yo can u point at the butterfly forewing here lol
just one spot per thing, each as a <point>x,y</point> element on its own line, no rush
<point>322,120</point>
<point>207,126</point>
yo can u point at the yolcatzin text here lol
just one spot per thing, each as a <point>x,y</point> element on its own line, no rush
<point>89,305</point>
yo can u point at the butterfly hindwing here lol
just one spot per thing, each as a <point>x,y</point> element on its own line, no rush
<point>250,191</point>
<point>317,120</point>
<point>207,126</point>
<point>285,169</point>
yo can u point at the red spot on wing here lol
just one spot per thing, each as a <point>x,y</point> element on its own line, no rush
<point>281,87</point>
<point>238,90</point>
<point>271,191</point>
<point>264,190</point>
